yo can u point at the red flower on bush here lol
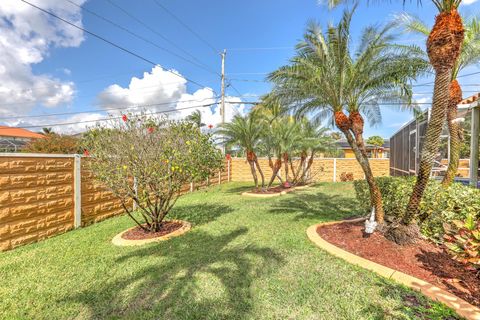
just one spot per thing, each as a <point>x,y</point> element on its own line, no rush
<point>210,126</point>
<point>124,118</point>
<point>86,153</point>
<point>150,129</point>
<point>228,156</point>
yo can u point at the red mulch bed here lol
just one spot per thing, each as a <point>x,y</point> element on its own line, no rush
<point>138,233</point>
<point>423,260</point>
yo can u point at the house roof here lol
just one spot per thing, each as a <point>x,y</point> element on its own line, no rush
<point>343,144</point>
<point>19,133</point>
<point>470,99</point>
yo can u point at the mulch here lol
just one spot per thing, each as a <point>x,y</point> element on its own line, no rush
<point>424,260</point>
<point>138,233</point>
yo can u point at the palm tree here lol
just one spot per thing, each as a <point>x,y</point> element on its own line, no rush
<point>245,131</point>
<point>196,118</point>
<point>326,79</point>
<point>469,55</point>
<point>47,130</point>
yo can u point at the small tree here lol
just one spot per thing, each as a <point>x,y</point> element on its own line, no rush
<point>376,141</point>
<point>54,143</point>
<point>154,154</point>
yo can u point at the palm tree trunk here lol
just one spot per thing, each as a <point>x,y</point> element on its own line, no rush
<point>262,176</point>
<point>454,129</point>
<point>251,162</point>
<point>375,194</point>
<point>275,168</point>
<point>431,143</point>
<point>285,160</point>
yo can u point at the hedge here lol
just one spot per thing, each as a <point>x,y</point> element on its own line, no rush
<point>439,205</point>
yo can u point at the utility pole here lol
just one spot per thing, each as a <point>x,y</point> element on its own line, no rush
<point>222,108</point>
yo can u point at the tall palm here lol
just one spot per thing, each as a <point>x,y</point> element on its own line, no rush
<point>326,79</point>
<point>469,55</point>
<point>444,45</point>
<point>246,131</point>
<point>196,118</point>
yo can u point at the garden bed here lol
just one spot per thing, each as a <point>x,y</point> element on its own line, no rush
<point>273,191</point>
<point>423,260</point>
<point>137,236</point>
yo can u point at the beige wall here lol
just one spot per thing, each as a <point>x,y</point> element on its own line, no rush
<point>323,169</point>
<point>37,197</point>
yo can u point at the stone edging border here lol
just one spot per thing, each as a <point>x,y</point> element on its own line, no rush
<point>272,195</point>
<point>119,241</point>
<point>460,306</point>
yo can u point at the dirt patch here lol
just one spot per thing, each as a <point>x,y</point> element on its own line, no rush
<point>423,259</point>
<point>278,189</point>
<point>138,233</point>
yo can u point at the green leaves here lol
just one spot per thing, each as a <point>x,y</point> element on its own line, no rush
<point>156,156</point>
<point>463,241</point>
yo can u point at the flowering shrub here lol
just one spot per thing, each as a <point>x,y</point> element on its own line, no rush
<point>463,241</point>
<point>438,206</point>
<point>148,160</point>
<point>54,143</point>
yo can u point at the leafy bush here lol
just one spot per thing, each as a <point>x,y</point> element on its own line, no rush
<point>54,143</point>
<point>438,206</point>
<point>162,155</point>
<point>462,238</point>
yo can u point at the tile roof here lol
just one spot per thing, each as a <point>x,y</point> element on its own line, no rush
<point>470,99</point>
<point>19,133</point>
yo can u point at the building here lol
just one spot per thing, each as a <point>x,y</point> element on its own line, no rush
<point>373,151</point>
<point>14,139</point>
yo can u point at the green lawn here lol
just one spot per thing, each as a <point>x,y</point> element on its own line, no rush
<point>245,258</point>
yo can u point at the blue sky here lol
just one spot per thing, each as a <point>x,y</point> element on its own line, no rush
<point>81,67</point>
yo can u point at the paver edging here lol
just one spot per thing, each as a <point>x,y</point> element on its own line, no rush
<point>119,241</point>
<point>462,307</point>
<point>271,195</point>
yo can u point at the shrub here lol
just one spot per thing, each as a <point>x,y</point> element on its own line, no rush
<point>439,204</point>
<point>162,155</point>
<point>346,176</point>
<point>462,239</point>
<point>54,143</point>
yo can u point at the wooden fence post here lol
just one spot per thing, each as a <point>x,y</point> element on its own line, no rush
<point>191,186</point>
<point>77,191</point>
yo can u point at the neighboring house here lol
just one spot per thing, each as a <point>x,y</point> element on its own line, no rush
<point>14,139</point>
<point>372,151</point>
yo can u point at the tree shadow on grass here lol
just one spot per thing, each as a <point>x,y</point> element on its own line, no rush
<point>413,304</point>
<point>198,276</point>
<point>200,213</point>
<point>238,190</point>
<point>317,205</point>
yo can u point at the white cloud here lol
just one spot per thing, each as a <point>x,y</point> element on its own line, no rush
<point>467,2</point>
<point>160,86</point>
<point>26,36</point>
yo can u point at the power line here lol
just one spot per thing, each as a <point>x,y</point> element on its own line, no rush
<point>140,89</point>
<point>136,35</point>
<point>109,42</point>
<point>139,21</point>
<point>186,26</point>
<point>113,118</point>
<point>261,48</point>
<point>103,110</point>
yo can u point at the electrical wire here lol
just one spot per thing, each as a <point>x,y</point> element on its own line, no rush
<point>109,42</point>
<point>136,35</point>
<point>186,27</point>
<point>139,21</point>
<point>111,118</point>
<point>102,110</point>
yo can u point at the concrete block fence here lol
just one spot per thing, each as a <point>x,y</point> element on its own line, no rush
<point>322,170</point>
<point>42,195</point>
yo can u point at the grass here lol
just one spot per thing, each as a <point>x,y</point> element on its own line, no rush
<point>245,258</point>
